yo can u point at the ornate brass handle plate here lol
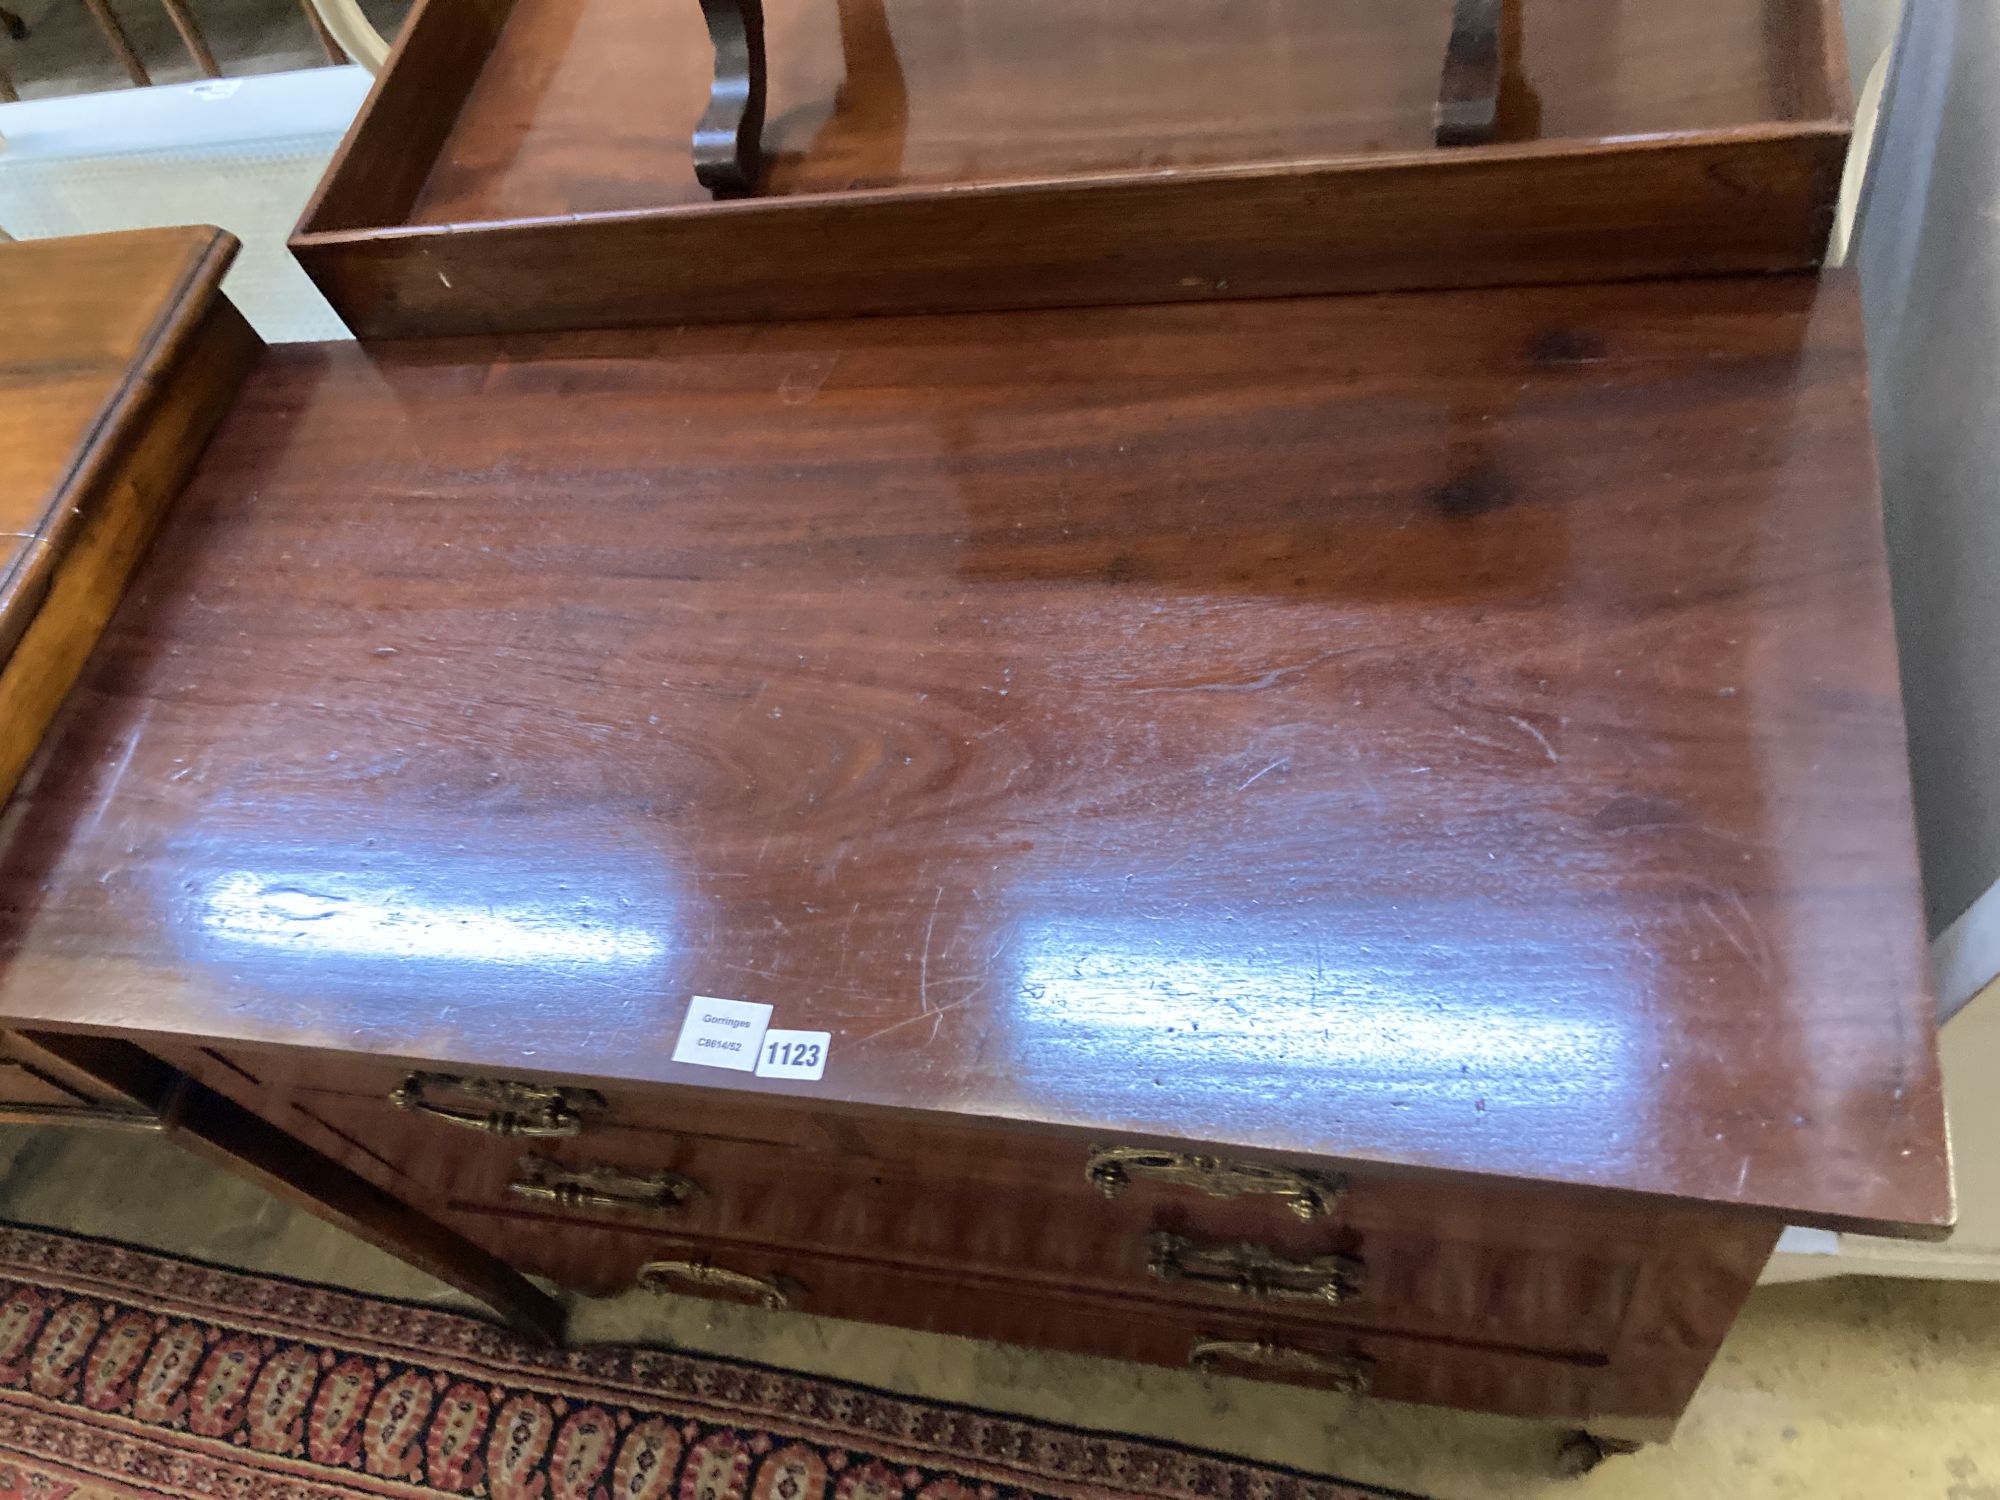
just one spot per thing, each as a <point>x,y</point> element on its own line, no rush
<point>678,1275</point>
<point>1346,1372</point>
<point>577,1188</point>
<point>1310,1194</point>
<point>499,1106</point>
<point>1253,1271</point>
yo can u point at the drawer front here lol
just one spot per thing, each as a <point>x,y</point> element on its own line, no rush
<point>1383,1272</point>
<point>1490,1266</point>
<point>1240,1342</point>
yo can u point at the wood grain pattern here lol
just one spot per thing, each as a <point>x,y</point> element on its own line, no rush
<point>1477,217</point>
<point>1472,1262</point>
<point>1697,1293</point>
<point>1457,732</point>
<point>977,155</point>
<point>93,324</point>
<point>126,355</point>
<point>412,103</point>
<point>981,1232</point>
<point>1594,1308</point>
<point>568,117</point>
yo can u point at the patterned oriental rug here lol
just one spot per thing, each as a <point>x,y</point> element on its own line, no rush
<point>125,1373</point>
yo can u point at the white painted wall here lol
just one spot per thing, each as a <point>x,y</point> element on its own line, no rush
<point>1929,257</point>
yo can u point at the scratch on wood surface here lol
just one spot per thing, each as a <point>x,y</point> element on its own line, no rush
<point>1248,684</point>
<point>118,771</point>
<point>804,382</point>
<point>1274,765</point>
<point>924,962</point>
<point>939,1013</point>
<point>1751,947</point>
<point>1540,738</point>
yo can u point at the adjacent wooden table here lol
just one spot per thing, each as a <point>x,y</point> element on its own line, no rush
<point>120,355</point>
<point>1362,840</point>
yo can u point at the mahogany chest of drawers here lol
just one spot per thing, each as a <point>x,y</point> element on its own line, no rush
<point>1361,841</point>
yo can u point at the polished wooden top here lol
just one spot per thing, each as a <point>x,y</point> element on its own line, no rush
<point>569,116</point>
<point>1452,730</point>
<point>85,324</point>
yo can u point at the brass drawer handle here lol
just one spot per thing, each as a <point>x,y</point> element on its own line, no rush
<point>662,1276</point>
<point>601,1187</point>
<point>500,1106</point>
<point>1349,1372</point>
<point>1253,1271</point>
<point>1110,1169</point>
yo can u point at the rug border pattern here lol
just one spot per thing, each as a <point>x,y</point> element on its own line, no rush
<point>931,1441</point>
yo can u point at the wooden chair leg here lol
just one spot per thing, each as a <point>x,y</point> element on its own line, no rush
<point>191,38</point>
<point>327,44</point>
<point>121,44</point>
